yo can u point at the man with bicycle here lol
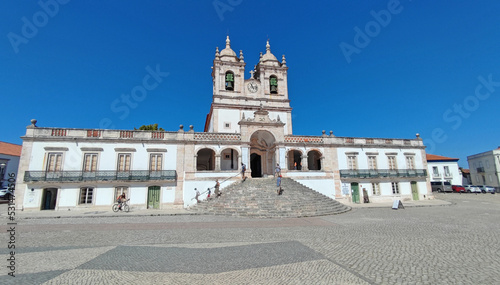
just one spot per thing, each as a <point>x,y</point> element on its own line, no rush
<point>120,199</point>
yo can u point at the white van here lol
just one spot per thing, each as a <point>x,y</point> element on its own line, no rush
<point>441,186</point>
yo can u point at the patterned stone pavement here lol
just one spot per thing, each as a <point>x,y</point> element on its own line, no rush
<point>454,244</point>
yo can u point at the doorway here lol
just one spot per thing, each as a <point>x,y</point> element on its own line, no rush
<point>414,190</point>
<point>153,197</point>
<point>256,165</point>
<point>49,197</point>
<point>355,192</point>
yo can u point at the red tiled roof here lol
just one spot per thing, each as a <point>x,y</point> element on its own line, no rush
<point>10,149</point>
<point>433,157</point>
<point>466,171</point>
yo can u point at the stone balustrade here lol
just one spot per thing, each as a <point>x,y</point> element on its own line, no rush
<point>59,133</point>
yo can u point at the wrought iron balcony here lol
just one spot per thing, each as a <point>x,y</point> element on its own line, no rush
<point>104,175</point>
<point>378,173</point>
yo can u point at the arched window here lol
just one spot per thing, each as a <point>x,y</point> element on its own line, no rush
<point>314,160</point>
<point>273,84</point>
<point>294,160</point>
<point>205,159</point>
<point>229,80</point>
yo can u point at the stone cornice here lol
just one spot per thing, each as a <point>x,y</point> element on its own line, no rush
<point>50,148</point>
<point>125,149</point>
<point>92,149</point>
<point>257,99</point>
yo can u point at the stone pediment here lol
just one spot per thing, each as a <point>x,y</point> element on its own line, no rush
<point>261,117</point>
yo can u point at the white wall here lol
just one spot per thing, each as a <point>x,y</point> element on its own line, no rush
<point>323,186</point>
<point>382,160</point>
<point>456,174</point>
<point>12,164</point>
<point>107,159</point>
<point>189,193</point>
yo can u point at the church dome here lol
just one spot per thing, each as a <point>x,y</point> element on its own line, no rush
<point>269,58</point>
<point>228,52</point>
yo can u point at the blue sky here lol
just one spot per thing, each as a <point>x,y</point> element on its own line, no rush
<point>387,69</point>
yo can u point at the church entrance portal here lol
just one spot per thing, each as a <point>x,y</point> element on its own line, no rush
<point>255,165</point>
<point>262,153</point>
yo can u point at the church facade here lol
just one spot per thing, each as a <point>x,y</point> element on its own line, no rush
<point>249,122</point>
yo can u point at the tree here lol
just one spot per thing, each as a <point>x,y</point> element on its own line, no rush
<point>152,127</point>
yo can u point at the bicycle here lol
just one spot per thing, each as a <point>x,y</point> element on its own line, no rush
<point>124,206</point>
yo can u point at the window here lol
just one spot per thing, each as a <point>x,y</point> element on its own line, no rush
<point>488,164</point>
<point>90,162</point>
<point>155,162</point>
<point>54,161</point>
<point>447,171</point>
<point>229,81</point>
<point>375,189</point>
<point>435,171</point>
<point>410,162</point>
<point>395,187</point>
<point>227,125</point>
<point>273,84</point>
<point>124,162</point>
<point>392,162</point>
<point>372,162</point>
<point>351,162</point>
<point>491,178</point>
<point>86,195</point>
<point>120,190</point>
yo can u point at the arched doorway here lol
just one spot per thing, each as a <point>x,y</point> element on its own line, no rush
<point>314,160</point>
<point>294,160</point>
<point>229,159</point>
<point>262,153</point>
<point>205,159</point>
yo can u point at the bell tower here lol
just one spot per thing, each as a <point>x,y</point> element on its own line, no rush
<point>235,98</point>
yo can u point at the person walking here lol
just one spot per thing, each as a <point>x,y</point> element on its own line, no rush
<point>217,187</point>
<point>197,196</point>
<point>278,184</point>
<point>243,169</point>
<point>277,170</point>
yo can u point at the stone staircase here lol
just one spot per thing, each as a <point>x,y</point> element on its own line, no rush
<point>257,197</point>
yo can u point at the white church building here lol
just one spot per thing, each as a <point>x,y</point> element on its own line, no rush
<point>250,122</point>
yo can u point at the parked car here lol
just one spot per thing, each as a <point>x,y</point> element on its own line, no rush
<point>458,188</point>
<point>472,189</point>
<point>441,186</point>
<point>5,193</point>
<point>487,189</point>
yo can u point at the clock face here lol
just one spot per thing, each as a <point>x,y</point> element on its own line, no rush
<point>252,87</point>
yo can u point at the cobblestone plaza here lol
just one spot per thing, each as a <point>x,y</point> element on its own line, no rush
<point>454,244</point>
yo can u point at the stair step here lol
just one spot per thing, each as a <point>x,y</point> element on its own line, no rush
<point>258,198</point>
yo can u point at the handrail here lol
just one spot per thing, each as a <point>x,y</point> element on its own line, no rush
<point>210,188</point>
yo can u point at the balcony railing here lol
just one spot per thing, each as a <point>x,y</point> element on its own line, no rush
<point>378,173</point>
<point>105,175</point>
